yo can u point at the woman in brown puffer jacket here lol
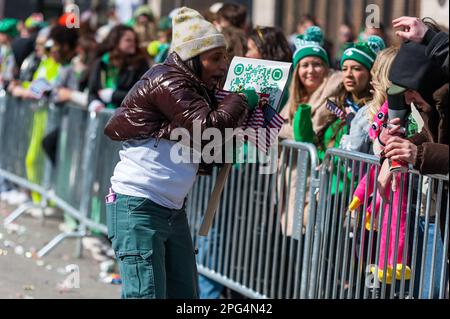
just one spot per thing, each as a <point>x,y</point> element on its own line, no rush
<point>146,216</point>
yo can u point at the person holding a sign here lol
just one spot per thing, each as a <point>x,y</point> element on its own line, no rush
<point>146,217</point>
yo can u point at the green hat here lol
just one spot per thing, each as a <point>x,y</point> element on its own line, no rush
<point>144,10</point>
<point>33,21</point>
<point>131,23</point>
<point>364,52</point>
<point>164,24</point>
<point>9,27</point>
<point>310,44</point>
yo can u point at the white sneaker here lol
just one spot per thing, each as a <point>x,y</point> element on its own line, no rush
<point>18,198</point>
<point>63,227</point>
<point>4,196</point>
<point>50,211</point>
<point>91,243</point>
<point>36,212</point>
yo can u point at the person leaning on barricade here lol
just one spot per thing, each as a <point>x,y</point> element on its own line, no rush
<point>38,89</point>
<point>119,65</point>
<point>66,86</point>
<point>359,139</point>
<point>423,82</point>
<point>146,217</point>
<point>8,30</point>
<point>435,40</point>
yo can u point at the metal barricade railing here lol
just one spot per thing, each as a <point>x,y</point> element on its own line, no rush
<point>259,244</point>
<point>17,118</point>
<point>105,157</point>
<point>70,156</point>
<point>94,174</point>
<point>385,250</point>
<point>24,124</point>
<point>71,184</point>
<point>281,235</point>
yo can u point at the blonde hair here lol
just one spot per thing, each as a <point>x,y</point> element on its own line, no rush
<point>297,92</point>
<point>380,80</point>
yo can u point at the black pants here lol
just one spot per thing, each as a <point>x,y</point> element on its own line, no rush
<point>50,144</point>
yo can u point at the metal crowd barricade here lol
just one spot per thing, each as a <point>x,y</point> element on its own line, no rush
<point>23,119</point>
<point>16,124</point>
<point>403,235</point>
<point>85,173</point>
<point>70,156</point>
<point>281,235</point>
<point>247,248</point>
<point>105,156</point>
<point>73,182</point>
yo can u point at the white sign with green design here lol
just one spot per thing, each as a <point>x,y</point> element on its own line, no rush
<point>267,77</point>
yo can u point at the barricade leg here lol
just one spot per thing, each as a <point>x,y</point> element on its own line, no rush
<point>57,240</point>
<point>19,211</point>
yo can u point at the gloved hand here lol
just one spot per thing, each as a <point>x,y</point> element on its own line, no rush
<point>252,98</point>
<point>106,95</point>
<point>302,128</point>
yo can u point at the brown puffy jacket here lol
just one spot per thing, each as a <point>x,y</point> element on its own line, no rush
<point>170,96</point>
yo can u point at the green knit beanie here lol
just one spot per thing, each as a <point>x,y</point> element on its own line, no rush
<point>310,44</point>
<point>144,10</point>
<point>164,24</point>
<point>364,52</point>
<point>9,27</point>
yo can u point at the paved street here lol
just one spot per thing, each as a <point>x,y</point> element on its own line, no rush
<point>22,275</point>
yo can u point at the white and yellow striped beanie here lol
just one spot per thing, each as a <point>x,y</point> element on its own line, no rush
<point>193,35</point>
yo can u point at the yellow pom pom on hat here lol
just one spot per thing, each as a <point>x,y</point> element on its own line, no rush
<point>192,34</point>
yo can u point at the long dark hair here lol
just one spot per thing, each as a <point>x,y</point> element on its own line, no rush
<point>110,44</point>
<point>271,44</point>
<point>87,43</point>
<point>194,65</point>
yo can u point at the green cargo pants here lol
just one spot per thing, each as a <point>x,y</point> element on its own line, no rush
<point>153,247</point>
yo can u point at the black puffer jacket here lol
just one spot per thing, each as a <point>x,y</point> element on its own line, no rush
<point>128,76</point>
<point>170,96</point>
<point>437,48</point>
